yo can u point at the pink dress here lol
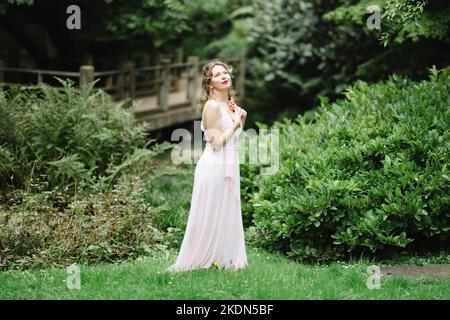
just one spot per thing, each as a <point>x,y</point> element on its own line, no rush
<point>215,232</point>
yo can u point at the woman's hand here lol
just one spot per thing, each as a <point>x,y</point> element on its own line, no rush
<point>232,106</point>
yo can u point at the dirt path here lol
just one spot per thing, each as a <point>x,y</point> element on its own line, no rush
<point>417,272</point>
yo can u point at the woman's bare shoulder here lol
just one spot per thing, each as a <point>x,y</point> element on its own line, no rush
<point>211,104</point>
<point>211,108</point>
<point>211,113</point>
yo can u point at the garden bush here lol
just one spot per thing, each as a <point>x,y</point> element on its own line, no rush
<point>68,139</point>
<point>73,167</point>
<point>101,227</point>
<point>368,174</point>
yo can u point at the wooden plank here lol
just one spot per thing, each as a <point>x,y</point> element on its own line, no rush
<point>170,117</point>
<point>37,71</point>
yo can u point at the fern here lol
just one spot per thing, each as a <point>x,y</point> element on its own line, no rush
<point>70,136</point>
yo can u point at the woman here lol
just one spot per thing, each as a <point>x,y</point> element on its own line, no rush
<point>214,233</point>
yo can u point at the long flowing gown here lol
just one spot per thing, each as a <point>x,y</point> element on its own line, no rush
<point>214,232</point>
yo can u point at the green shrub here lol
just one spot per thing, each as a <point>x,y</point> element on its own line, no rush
<point>101,227</point>
<point>68,139</point>
<point>368,174</point>
<point>69,162</point>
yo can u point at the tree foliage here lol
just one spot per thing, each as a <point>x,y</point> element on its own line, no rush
<point>109,28</point>
<point>301,50</point>
<point>401,20</point>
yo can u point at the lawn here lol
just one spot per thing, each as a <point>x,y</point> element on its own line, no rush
<point>269,276</point>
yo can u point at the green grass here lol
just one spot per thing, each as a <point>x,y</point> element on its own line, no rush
<point>269,276</point>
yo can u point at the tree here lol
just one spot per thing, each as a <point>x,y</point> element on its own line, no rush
<point>299,56</point>
<point>109,27</point>
<point>415,35</point>
<point>305,49</point>
<point>402,20</point>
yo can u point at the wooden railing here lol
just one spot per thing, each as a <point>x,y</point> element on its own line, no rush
<point>129,82</point>
<point>32,77</point>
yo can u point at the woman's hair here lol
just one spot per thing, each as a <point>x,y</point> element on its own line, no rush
<point>206,81</point>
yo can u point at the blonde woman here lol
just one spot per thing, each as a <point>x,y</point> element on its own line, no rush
<point>214,233</point>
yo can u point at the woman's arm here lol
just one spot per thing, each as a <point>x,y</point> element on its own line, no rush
<point>212,119</point>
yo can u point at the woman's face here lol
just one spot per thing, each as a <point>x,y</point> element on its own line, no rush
<point>221,79</point>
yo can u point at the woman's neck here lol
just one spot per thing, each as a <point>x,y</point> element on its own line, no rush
<point>221,96</point>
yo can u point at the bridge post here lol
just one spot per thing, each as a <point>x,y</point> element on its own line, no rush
<point>130,67</point>
<point>241,77</point>
<point>86,75</point>
<point>192,80</point>
<point>163,95</point>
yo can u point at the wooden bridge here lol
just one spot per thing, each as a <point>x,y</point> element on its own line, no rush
<point>165,94</point>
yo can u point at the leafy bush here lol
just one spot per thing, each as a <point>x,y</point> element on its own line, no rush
<point>68,139</point>
<point>368,173</point>
<point>101,227</point>
<point>70,164</point>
